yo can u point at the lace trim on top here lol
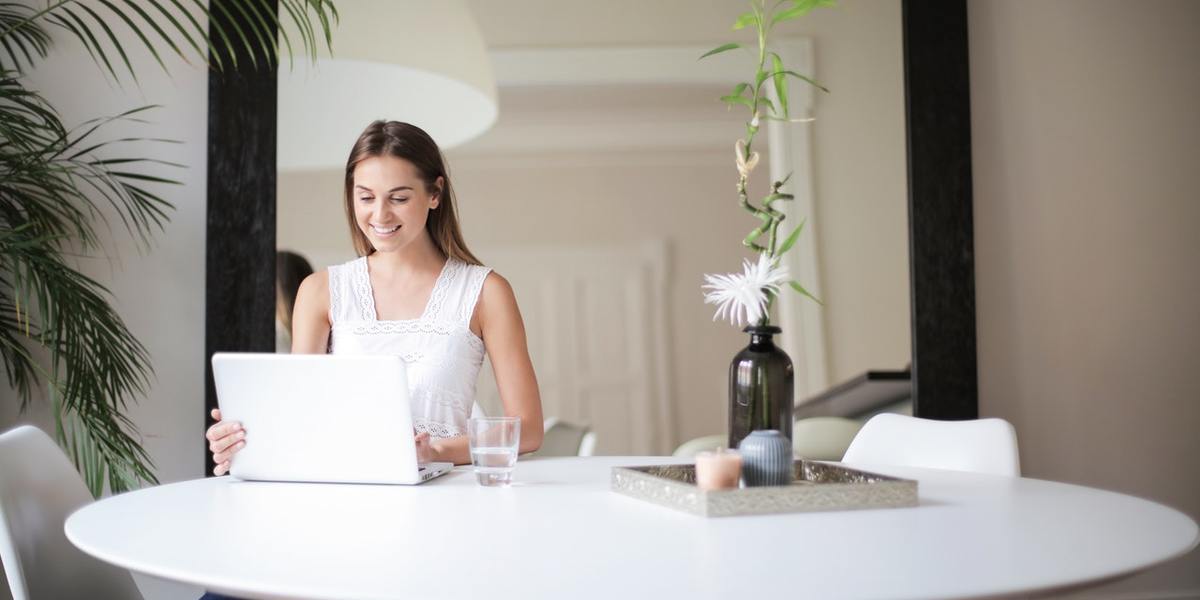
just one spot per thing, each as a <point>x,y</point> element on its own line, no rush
<point>436,429</point>
<point>335,294</point>
<point>438,296</point>
<point>473,289</point>
<point>361,276</point>
<point>409,326</point>
<point>361,279</point>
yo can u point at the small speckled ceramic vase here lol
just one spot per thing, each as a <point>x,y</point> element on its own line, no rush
<point>766,458</point>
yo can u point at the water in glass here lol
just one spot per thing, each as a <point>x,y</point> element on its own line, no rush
<point>494,443</point>
<point>494,466</point>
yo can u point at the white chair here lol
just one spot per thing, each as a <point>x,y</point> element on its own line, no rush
<point>566,439</point>
<point>38,490</point>
<point>692,447</point>
<point>982,445</point>
<point>823,438</point>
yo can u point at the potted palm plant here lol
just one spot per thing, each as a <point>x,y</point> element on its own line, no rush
<point>60,185</point>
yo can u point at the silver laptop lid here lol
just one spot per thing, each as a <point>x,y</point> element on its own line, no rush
<point>323,418</point>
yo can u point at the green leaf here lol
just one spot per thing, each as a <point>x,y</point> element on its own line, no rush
<point>731,100</point>
<point>187,36</point>
<point>739,89</point>
<point>745,19</point>
<point>136,30</point>
<point>154,25</point>
<point>719,49</point>
<point>261,29</point>
<point>780,84</point>
<point>791,239</point>
<point>86,38</point>
<point>767,101</point>
<point>112,38</point>
<point>799,288</point>
<point>799,8</point>
<point>228,18</point>
<point>810,80</point>
<point>759,77</point>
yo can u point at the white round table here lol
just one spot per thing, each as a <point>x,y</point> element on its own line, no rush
<point>560,533</point>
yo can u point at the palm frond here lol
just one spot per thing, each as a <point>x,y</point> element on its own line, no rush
<point>165,27</point>
<point>96,363</point>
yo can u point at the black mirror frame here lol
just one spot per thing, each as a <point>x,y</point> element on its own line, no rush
<point>240,252</point>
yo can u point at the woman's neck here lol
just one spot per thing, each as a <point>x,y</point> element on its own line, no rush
<point>417,257</point>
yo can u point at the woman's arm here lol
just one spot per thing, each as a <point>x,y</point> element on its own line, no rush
<point>498,321</point>
<point>310,317</point>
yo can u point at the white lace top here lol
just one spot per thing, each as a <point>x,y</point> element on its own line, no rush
<point>442,353</point>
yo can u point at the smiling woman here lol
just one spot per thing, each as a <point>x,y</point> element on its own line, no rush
<point>417,292</point>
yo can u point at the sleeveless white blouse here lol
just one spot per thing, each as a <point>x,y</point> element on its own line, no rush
<point>443,355</point>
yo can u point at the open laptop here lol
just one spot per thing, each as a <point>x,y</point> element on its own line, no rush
<point>321,418</point>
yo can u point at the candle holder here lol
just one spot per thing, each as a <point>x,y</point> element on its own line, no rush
<point>718,470</point>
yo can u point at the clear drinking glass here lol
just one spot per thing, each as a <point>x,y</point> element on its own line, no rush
<point>494,442</point>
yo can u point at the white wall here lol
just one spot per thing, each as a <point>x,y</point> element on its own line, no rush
<point>1085,142</point>
<point>159,293</point>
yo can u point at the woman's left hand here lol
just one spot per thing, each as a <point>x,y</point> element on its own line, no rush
<point>425,453</point>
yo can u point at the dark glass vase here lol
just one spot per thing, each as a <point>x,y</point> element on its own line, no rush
<point>760,387</point>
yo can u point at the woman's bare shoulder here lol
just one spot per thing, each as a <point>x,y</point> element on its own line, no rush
<point>314,291</point>
<point>497,289</point>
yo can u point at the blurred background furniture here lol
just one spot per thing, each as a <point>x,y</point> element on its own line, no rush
<point>868,394</point>
<point>816,438</point>
<point>691,448</point>
<point>981,445</point>
<point>38,490</point>
<point>823,438</point>
<point>566,439</point>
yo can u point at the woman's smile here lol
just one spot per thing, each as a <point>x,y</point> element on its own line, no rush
<point>384,231</point>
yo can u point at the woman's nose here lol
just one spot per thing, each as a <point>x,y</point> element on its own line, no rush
<point>380,212</point>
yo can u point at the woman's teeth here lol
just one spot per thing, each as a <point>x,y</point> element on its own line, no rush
<point>384,230</point>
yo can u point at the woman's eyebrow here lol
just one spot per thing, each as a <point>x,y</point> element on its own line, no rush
<point>395,189</point>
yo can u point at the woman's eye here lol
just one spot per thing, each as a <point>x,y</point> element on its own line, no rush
<point>365,199</point>
<point>398,199</point>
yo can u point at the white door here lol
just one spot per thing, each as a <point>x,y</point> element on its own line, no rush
<point>597,328</point>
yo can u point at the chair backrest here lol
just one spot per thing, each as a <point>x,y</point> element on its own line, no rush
<point>823,438</point>
<point>692,447</point>
<point>982,445</point>
<point>566,439</point>
<point>38,490</point>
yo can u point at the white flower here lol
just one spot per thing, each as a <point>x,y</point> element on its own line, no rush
<point>742,297</point>
<point>744,164</point>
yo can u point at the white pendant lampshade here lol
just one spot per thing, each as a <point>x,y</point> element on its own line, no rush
<point>419,61</point>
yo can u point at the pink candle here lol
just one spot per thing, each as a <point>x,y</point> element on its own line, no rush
<point>718,470</point>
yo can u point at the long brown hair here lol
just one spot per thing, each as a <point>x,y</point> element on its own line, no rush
<point>411,143</point>
<point>290,270</point>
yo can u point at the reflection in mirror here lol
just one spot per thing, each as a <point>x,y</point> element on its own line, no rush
<point>290,270</point>
<point>605,191</point>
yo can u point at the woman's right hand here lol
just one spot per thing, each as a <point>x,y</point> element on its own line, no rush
<point>224,440</point>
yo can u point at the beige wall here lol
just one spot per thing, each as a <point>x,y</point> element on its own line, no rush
<point>1086,135</point>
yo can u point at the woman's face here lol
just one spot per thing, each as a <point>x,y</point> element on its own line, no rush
<point>391,202</point>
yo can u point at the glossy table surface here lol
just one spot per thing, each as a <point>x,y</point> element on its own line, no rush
<point>559,532</point>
